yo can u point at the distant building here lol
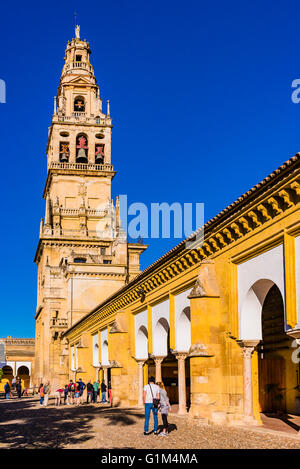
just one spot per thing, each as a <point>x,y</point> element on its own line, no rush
<point>17,360</point>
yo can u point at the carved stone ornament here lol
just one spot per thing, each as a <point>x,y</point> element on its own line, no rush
<point>199,350</point>
<point>119,325</point>
<point>206,284</point>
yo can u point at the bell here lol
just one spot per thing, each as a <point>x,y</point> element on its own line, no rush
<point>81,156</point>
<point>64,158</point>
<point>99,159</point>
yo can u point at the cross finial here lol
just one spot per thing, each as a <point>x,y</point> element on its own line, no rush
<point>77,27</point>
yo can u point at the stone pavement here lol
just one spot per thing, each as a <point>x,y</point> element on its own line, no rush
<point>24,424</point>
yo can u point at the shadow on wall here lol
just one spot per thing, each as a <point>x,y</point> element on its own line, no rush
<point>25,426</point>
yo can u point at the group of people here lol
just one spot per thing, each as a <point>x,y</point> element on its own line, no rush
<point>156,400</point>
<point>16,385</point>
<point>72,393</point>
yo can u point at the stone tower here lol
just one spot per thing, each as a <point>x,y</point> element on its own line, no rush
<point>82,255</point>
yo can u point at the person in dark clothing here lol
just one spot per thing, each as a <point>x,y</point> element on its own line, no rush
<point>103,392</point>
<point>7,390</point>
<point>81,387</point>
<point>90,389</point>
<point>109,391</point>
<point>19,388</point>
<point>65,394</point>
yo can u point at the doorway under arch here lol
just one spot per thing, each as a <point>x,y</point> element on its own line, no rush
<point>24,374</point>
<point>6,377</point>
<point>274,358</point>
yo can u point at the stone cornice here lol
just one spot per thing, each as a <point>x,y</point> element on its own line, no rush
<point>267,207</point>
<point>106,173</point>
<point>15,341</point>
<point>69,242</point>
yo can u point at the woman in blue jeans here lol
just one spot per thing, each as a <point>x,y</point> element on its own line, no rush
<point>151,391</point>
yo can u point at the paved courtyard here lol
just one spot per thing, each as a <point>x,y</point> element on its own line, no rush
<point>23,424</point>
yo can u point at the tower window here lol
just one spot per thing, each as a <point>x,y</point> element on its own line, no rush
<point>81,149</point>
<point>99,153</point>
<point>106,261</point>
<point>79,105</point>
<point>64,152</point>
<point>80,260</point>
<point>78,58</point>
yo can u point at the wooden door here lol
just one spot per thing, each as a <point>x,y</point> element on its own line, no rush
<point>272,397</point>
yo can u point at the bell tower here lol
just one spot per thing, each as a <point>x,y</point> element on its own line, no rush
<point>82,254</point>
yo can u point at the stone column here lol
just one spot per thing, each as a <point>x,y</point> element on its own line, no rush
<point>97,373</point>
<point>140,382</point>
<point>248,347</point>
<point>181,356</point>
<point>105,380</point>
<point>158,361</point>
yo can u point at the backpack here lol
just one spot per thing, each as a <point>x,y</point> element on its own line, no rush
<point>155,401</point>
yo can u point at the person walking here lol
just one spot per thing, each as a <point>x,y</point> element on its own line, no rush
<point>41,393</point>
<point>71,391</point>
<point>90,389</point>
<point>151,401</point>
<point>13,383</point>
<point>19,388</point>
<point>81,387</point>
<point>58,394</point>
<point>98,392</point>
<point>96,388</point>
<point>77,397</point>
<point>103,391</point>
<point>7,390</point>
<point>65,394</point>
<point>46,393</point>
<point>164,408</point>
<point>109,391</point>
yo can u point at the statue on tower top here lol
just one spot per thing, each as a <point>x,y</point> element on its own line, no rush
<point>77,31</point>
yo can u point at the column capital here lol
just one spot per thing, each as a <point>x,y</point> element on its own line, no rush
<point>248,347</point>
<point>158,359</point>
<point>180,355</point>
<point>141,361</point>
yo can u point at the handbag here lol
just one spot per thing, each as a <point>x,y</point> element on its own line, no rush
<point>155,401</point>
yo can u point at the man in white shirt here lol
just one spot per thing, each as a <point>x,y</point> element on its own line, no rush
<point>151,391</point>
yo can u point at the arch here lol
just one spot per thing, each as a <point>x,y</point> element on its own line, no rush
<point>7,370</point>
<point>23,370</point>
<point>141,343</point>
<point>183,341</point>
<point>161,337</point>
<point>251,309</point>
<point>79,104</point>
<point>96,349</point>
<point>104,353</point>
<point>274,355</point>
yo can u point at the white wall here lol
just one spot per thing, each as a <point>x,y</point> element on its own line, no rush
<point>96,349</point>
<point>72,358</point>
<point>297,249</point>
<point>160,335</point>
<point>19,364</point>
<point>255,278</point>
<point>182,322</point>
<point>104,347</point>
<point>141,341</point>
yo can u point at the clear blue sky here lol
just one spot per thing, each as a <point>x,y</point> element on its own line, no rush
<point>200,98</point>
